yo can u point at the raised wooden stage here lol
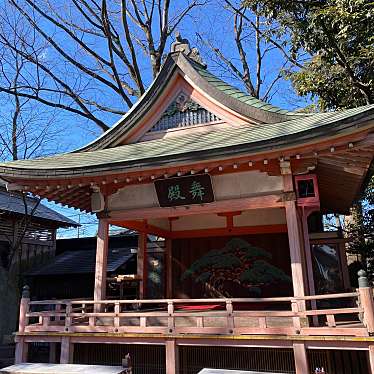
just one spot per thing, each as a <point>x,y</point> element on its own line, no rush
<point>284,322</point>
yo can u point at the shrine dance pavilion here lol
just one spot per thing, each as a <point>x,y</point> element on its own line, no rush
<point>233,191</point>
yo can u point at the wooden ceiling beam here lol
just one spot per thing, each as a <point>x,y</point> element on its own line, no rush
<point>344,166</point>
<point>257,202</point>
<point>348,161</point>
<point>142,226</point>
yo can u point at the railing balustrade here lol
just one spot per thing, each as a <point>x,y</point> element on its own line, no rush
<point>274,316</point>
<point>349,314</point>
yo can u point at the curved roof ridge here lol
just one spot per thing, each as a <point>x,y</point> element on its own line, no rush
<point>236,92</point>
<point>231,97</point>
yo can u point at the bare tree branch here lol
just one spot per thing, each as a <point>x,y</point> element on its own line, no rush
<point>238,29</point>
<point>271,40</point>
<point>91,46</point>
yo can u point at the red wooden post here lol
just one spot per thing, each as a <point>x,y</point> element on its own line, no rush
<point>171,318</point>
<point>101,260</point>
<point>117,311</point>
<point>295,240</point>
<point>52,352</point>
<point>308,254</point>
<point>21,346</point>
<point>301,359</point>
<point>296,320</point>
<point>366,299</point>
<point>67,350</point>
<point>24,309</point>
<point>344,266</point>
<point>230,317</point>
<point>309,262</point>
<point>172,357</point>
<point>169,268</point>
<point>142,262</point>
<point>21,350</point>
<point>68,316</point>
<point>371,358</point>
<point>58,310</point>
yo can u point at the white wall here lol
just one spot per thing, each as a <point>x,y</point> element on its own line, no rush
<point>227,186</point>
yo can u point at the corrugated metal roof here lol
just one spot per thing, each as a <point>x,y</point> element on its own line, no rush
<point>187,144</point>
<point>13,203</point>
<point>82,262</point>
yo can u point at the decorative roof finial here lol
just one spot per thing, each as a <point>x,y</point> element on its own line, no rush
<point>180,44</point>
<point>183,45</point>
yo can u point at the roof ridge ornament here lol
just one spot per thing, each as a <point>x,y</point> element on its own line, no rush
<point>183,45</point>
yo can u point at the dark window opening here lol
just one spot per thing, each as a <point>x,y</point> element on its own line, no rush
<point>4,254</point>
<point>306,188</point>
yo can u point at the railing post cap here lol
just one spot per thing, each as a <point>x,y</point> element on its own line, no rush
<point>361,273</point>
<point>25,292</point>
<point>362,279</point>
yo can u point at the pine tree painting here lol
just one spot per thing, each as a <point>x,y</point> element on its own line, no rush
<point>238,263</point>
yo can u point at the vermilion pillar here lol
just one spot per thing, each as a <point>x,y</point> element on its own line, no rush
<point>101,260</point>
<point>169,268</point>
<point>301,359</point>
<point>67,351</point>
<point>172,357</point>
<point>371,358</point>
<point>21,353</point>
<point>295,239</point>
<point>142,262</point>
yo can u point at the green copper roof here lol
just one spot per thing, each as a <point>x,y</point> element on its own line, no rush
<point>236,93</point>
<point>194,146</point>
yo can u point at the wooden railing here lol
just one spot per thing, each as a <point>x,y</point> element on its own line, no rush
<point>350,314</point>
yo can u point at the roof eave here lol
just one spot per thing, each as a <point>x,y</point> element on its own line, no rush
<point>352,125</point>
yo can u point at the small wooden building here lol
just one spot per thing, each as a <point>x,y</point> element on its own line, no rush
<point>39,238</point>
<point>35,239</point>
<point>71,275</point>
<point>236,187</point>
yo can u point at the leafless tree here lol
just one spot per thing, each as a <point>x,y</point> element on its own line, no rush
<point>88,57</point>
<point>27,129</point>
<point>262,56</point>
<point>21,226</point>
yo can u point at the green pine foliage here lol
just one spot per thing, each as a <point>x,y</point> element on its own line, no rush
<point>338,37</point>
<point>238,262</point>
<point>361,231</point>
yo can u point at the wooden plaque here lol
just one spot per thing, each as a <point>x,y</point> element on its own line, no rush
<point>189,190</point>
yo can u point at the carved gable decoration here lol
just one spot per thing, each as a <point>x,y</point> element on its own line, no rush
<point>183,112</point>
